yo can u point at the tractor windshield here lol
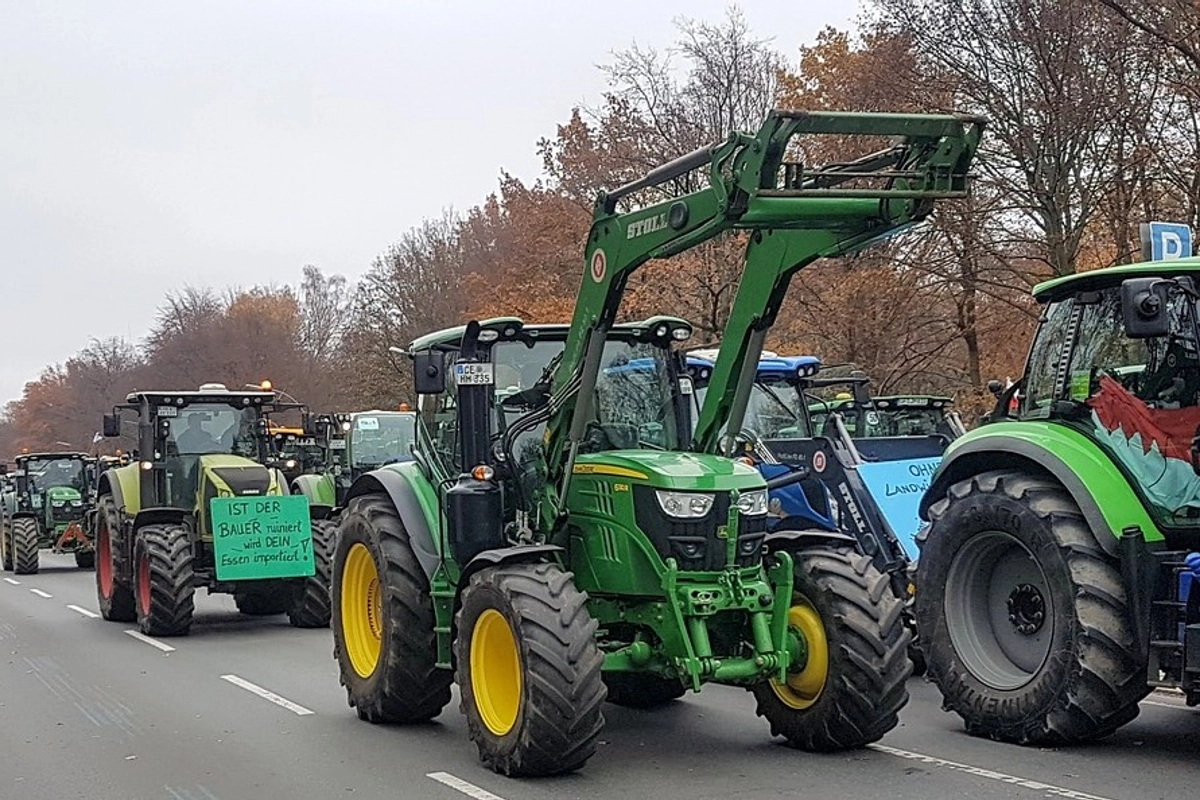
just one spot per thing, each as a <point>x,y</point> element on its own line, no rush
<point>1140,397</point>
<point>203,428</point>
<point>636,400</point>
<point>378,439</point>
<point>46,473</point>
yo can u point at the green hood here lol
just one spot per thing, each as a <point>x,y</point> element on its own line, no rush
<point>62,493</point>
<point>669,470</point>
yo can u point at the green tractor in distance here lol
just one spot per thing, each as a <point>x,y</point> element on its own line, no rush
<point>357,443</point>
<point>870,416</point>
<point>199,509</point>
<point>1057,583</point>
<point>45,508</point>
<point>542,570</point>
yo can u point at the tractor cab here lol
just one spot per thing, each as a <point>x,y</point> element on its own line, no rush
<point>294,451</point>
<point>352,445</point>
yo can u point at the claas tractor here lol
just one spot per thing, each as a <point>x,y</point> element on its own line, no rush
<point>45,509</point>
<point>199,509</point>
<point>357,443</point>
<point>1058,574</point>
<point>581,544</point>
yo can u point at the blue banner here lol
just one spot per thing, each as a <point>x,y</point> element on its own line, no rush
<point>897,488</point>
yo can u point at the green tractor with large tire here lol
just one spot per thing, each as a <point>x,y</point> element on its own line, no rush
<point>200,510</point>
<point>551,546</point>
<point>357,443</point>
<point>45,509</point>
<point>1057,583</point>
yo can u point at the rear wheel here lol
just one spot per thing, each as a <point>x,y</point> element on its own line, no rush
<point>529,671</point>
<point>1024,618</point>
<point>26,539</point>
<point>85,559</point>
<point>641,690</point>
<point>851,687</point>
<point>383,622</point>
<point>114,589</point>
<point>165,580</point>
<point>309,605</point>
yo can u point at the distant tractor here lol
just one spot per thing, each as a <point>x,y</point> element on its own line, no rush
<point>200,510</point>
<point>357,443</point>
<point>44,509</point>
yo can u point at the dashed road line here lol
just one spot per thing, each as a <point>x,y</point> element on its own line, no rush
<point>981,772</point>
<point>86,612</point>
<point>266,694</point>
<point>1176,706</point>
<point>40,593</point>
<point>141,637</point>
<point>13,582</point>
<point>458,784</point>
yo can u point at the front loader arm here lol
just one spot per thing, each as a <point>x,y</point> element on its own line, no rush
<point>751,187</point>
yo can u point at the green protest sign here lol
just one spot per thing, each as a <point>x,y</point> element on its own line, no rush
<point>262,537</point>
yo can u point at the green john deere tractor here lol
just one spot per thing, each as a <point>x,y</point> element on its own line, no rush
<point>357,443</point>
<point>199,510</point>
<point>567,541</point>
<point>1058,574</point>
<point>45,508</point>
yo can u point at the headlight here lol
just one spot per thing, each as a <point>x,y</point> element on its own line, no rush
<point>684,505</point>
<point>58,503</point>
<point>76,502</point>
<point>752,503</point>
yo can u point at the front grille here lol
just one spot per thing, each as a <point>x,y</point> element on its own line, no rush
<point>694,543</point>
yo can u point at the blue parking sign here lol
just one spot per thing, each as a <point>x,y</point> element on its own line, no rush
<point>1163,241</point>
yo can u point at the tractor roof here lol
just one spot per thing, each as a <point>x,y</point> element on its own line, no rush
<point>1058,288</point>
<point>896,401</point>
<point>770,367</point>
<point>206,392</point>
<point>509,327</point>
<point>43,456</point>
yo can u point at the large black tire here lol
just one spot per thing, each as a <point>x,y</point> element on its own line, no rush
<point>165,584</point>
<point>26,539</point>
<point>114,575</point>
<point>6,544</point>
<point>85,559</point>
<point>309,605</point>
<point>402,682</point>
<point>547,666</point>
<point>1090,678</point>
<point>260,603</point>
<point>859,623</point>
<point>641,690</point>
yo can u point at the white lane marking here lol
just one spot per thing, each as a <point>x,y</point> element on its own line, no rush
<point>141,637</point>
<point>1176,706</point>
<point>40,593</point>
<point>1025,783</point>
<point>266,694</point>
<point>14,583</point>
<point>86,612</point>
<point>458,784</point>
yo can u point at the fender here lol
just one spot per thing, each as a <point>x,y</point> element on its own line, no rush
<point>1062,453</point>
<point>518,554</point>
<point>159,516</point>
<point>124,488</point>
<point>320,493</point>
<point>798,540</point>
<point>415,501</point>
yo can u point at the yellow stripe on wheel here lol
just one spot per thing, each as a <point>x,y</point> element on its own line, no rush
<point>804,687</point>
<point>495,672</point>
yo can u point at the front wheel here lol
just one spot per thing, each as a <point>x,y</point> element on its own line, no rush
<point>850,688</point>
<point>1024,619</point>
<point>165,585</point>
<point>26,541</point>
<point>6,544</point>
<point>114,590</point>
<point>529,670</point>
<point>309,606</point>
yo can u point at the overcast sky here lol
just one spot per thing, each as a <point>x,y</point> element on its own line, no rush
<point>145,146</point>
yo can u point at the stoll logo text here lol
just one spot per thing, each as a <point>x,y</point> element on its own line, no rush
<point>648,225</point>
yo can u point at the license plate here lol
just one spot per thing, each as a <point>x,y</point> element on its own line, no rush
<point>337,444</point>
<point>167,411</point>
<point>473,374</point>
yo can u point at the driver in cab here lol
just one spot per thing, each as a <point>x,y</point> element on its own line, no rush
<point>195,439</point>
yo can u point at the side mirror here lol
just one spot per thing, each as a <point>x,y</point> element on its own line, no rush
<point>3,469</point>
<point>995,387</point>
<point>1144,307</point>
<point>112,425</point>
<point>428,373</point>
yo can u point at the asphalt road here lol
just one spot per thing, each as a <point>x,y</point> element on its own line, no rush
<point>251,709</point>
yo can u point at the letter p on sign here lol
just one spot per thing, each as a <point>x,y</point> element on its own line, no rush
<point>1164,241</point>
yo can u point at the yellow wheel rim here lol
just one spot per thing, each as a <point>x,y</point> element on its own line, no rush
<point>495,672</point>
<point>362,611</point>
<point>804,687</point>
